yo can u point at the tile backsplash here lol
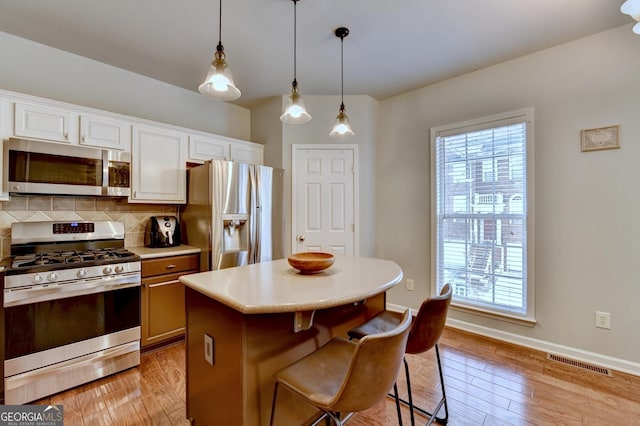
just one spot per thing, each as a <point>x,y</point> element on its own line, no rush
<point>29,208</point>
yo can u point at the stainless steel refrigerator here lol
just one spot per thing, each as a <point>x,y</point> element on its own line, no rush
<point>234,213</point>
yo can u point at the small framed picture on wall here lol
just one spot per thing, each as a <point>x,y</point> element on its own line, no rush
<point>600,138</point>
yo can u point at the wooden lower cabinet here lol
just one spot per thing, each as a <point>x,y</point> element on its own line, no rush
<point>163,307</point>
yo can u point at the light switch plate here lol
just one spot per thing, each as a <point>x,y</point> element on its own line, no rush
<point>603,320</point>
<point>208,349</point>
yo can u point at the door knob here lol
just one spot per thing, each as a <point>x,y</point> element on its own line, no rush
<point>300,238</point>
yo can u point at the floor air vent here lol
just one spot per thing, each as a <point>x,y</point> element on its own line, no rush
<point>580,364</point>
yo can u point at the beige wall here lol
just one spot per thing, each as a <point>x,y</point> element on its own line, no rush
<point>586,204</point>
<point>266,129</point>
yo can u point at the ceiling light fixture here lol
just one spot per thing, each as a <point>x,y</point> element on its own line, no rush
<point>295,112</point>
<point>632,8</point>
<point>219,82</point>
<point>342,126</point>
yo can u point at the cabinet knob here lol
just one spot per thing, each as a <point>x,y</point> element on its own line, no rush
<point>300,238</point>
<point>66,135</point>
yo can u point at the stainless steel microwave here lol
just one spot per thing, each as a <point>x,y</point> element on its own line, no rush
<point>36,167</point>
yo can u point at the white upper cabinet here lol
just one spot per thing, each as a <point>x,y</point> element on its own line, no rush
<point>212,147</point>
<point>42,122</point>
<point>5,119</point>
<point>105,132</point>
<point>158,169</point>
<point>247,152</point>
<point>203,148</point>
<point>159,152</point>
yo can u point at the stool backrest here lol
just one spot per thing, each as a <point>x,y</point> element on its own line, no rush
<point>429,323</point>
<point>374,368</point>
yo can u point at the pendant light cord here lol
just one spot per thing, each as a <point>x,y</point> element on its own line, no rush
<point>342,73</point>
<point>342,32</point>
<point>295,42</point>
<point>220,48</point>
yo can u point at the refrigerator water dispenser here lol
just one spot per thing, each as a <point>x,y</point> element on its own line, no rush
<point>235,241</point>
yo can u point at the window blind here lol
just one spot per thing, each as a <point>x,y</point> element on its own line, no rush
<point>480,208</point>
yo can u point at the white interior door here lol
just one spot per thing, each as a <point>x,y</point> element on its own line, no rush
<point>324,199</point>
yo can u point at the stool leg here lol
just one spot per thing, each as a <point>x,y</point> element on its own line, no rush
<point>335,417</point>
<point>273,404</point>
<point>395,395</point>
<point>406,373</point>
<point>444,395</point>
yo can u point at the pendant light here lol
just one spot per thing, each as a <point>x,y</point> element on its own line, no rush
<point>219,82</point>
<point>632,8</point>
<point>342,126</point>
<point>294,111</point>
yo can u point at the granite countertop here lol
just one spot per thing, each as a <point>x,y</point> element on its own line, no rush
<point>150,253</point>
<point>275,287</point>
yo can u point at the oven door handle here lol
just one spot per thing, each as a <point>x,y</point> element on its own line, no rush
<point>27,295</point>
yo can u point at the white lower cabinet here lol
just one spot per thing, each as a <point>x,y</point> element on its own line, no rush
<point>158,169</point>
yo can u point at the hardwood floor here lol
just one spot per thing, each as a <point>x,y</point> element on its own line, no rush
<point>487,383</point>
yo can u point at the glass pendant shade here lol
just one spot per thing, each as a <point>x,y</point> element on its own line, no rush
<point>342,127</point>
<point>632,8</point>
<point>295,111</point>
<point>219,82</point>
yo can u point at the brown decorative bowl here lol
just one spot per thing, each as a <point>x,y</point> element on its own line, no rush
<point>311,262</point>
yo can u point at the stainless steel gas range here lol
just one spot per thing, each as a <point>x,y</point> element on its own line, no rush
<point>71,307</point>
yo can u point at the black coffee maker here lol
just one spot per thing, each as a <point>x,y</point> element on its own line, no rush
<point>162,231</point>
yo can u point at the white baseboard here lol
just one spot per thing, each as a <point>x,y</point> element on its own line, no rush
<point>616,364</point>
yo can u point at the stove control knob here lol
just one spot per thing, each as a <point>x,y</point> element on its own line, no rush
<point>107,270</point>
<point>81,273</point>
<point>37,278</point>
<point>119,269</point>
<point>52,276</point>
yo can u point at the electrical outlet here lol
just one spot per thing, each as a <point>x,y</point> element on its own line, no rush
<point>208,349</point>
<point>410,284</point>
<point>603,320</point>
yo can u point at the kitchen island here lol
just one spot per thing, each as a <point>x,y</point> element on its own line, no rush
<point>262,317</point>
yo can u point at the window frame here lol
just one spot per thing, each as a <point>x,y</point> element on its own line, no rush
<point>526,116</point>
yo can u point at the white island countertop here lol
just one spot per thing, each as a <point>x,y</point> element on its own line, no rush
<point>275,287</point>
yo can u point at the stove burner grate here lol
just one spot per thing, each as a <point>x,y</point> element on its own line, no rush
<point>69,257</point>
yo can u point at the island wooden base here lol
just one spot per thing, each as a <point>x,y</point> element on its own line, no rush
<point>238,388</point>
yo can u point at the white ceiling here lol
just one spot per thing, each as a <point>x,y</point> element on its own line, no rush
<point>394,45</point>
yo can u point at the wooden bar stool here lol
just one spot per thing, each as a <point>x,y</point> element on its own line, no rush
<point>344,376</point>
<point>426,329</point>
